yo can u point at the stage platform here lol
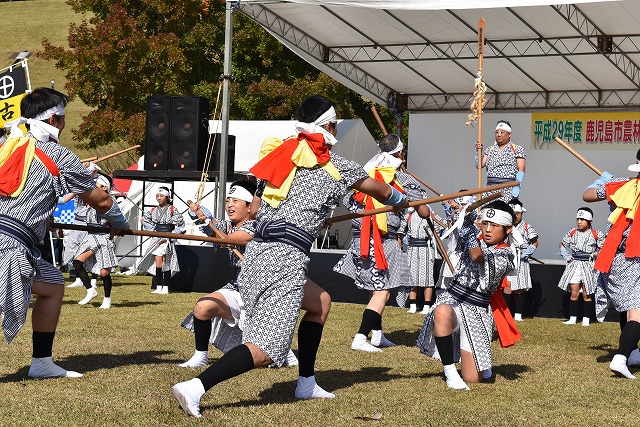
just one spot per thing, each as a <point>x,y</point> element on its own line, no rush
<point>203,270</point>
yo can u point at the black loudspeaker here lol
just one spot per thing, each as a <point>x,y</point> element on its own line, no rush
<point>189,131</point>
<point>157,133</point>
<point>231,153</point>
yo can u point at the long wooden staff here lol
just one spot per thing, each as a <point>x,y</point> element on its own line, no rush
<point>579,157</point>
<point>480,101</point>
<point>159,234</point>
<point>89,159</point>
<point>426,201</point>
<point>374,110</point>
<point>441,248</point>
<point>108,156</point>
<point>436,192</point>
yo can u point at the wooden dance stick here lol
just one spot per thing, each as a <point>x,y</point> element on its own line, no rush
<point>219,233</point>
<point>436,192</point>
<point>89,159</point>
<point>378,119</point>
<point>429,200</point>
<point>536,260</point>
<point>440,246</point>
<point>159,234</point>
<point>108,156</point>
<point>578,156</point>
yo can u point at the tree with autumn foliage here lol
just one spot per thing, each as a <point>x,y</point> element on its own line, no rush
<point>125,51</point>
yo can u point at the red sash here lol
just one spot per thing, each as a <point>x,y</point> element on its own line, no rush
<point>276,166</point>
<point>506,326</point>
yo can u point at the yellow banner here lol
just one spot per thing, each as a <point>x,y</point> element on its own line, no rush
<point>10,109</point>
<point>594,130</point>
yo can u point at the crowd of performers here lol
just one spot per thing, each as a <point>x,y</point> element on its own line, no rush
<point>471,283</point>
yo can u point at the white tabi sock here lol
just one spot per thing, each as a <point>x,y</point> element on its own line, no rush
<point>188,394</point>
<point>571,321</point>
<point>517,317</point>
<point>91,294</point>
<point>94,283</point>
<point>585,321</point>
<point>379,340</point>
<point>199,358</point>
<point>77,283</point>
<point>412,308</point>
<point>360,343</point>
<point>618,366</point>
<point>307,388</point>
<point>454,380</point>
<point>43,367</point>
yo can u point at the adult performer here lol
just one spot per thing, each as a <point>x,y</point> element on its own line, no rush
<point>579,248</point>
<point>520,283</point>
<point>218,318</point>
<point>461,323</point>
<point>504,161</point>
<point>301,181</point>
<point>375,260</point>
<point>618,262</point>
<point>35,172</point>
<point>161,259</point>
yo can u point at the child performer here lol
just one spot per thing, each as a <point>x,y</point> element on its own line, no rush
<point>97,252</point>
<point>579,248</point>
<point>461,323</point>
<point>218,318</point>
<point>520,283</point>
<point>161,252</point>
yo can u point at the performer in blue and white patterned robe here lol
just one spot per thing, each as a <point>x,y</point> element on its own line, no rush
<point>161,259</point>
<point>363,262</point>
<point>461,323</point>
<point>618,263</point>
<point>52,173</point>
<point>579,247</point>
<point>298,193</point>
<point>504,161</point>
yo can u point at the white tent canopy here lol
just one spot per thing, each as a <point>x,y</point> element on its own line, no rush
<point>424,53</point>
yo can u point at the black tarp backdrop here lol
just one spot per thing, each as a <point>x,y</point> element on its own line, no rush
<point>203,270</point>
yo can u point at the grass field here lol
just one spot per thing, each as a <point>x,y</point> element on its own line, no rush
<point>557,375</point>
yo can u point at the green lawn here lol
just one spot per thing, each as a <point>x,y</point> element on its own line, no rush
<point>558,375</point>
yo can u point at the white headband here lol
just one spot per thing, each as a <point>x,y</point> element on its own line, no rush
<point>326,117</point>
<point>518,208</point>
<point>58,110</point>
<point>102,180</point>
<point>503,126</point>
<point>584,215</point>
<point>496,216</point>
<point>382,160</point>
<point>40,130</point>
<point>240,193</point>
<point>465,200</point>
<point>398,148</point>
<point>635,167</point>
<point>164,192</point>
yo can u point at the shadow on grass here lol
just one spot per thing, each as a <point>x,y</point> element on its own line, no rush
<point>122,303</point>
<point>609,351</point>
<point>331,380</point>
<point>510,371</point>
<point>403,337</point>
<point>94,362</point>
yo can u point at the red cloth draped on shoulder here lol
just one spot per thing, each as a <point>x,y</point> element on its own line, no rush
<point>614,237</point>
<point>276,166</point>
<point>506,326</point>
<point>369,222</point>
<point>12,171</point>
